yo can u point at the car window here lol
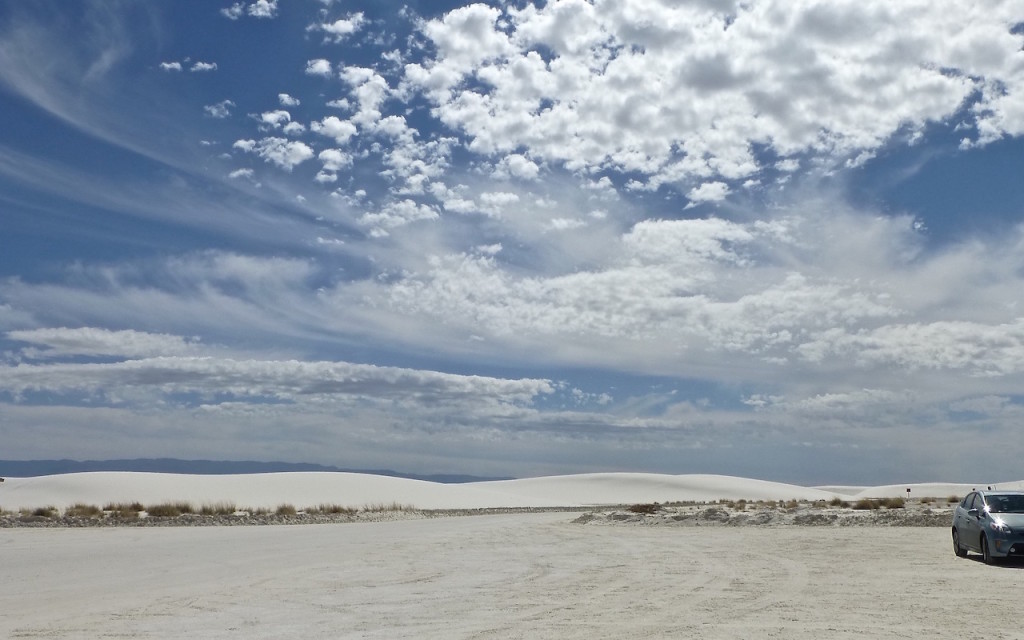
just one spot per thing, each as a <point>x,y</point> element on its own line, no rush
<point>966,502</point>
<point>1006,504</point>
<point>975,502</point>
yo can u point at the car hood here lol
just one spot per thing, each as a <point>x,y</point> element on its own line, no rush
<point>1015,520</point>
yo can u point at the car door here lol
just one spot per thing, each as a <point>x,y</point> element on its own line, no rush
<point>969,525</point>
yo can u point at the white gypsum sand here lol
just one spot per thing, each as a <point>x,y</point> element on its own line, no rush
<point>270,490</point>
<point>498,576</point>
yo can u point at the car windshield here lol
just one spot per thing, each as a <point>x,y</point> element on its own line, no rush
<point>1005,504</point>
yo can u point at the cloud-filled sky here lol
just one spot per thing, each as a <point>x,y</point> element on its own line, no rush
<point>780,239</point>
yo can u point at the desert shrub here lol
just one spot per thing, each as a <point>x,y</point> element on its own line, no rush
<point>866,503</point>
<point>169,509</point>
<point>285,510</point>
<point>394,506</point>
<point>45,512</point>
<point>894,503</point>
<point>927,500</point>
<point>792,504</point>
<point>645,509</point>
<point>83,511</point>
<point>953,499</point>
<point>124,510</point>
<point>124,506</point>
<point>217,509</point>
<point>333,509</point>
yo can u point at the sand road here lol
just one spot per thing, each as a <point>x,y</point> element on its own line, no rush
<point>505,576</point>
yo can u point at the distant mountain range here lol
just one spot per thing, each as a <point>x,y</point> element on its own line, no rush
<point>32,468</point>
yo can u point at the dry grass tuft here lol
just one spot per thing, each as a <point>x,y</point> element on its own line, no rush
<point>332,509</point>
<point>645,509</point>
<point>285,510</point>
<point>381,507</point>
<point>83,511</point>
<point>217,509</point>
<point>169,509</point>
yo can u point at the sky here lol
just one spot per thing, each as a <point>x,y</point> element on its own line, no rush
<point>779,239</point>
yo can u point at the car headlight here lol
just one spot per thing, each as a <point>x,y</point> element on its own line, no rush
<point>1000,526</point>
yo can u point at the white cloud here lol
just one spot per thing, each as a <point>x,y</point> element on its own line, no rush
<point>397,214</point>
<point>262,380</point>
<point>681,93</point>
<point>339,30</point>
<point>170,66</point>
<point>287,100</point>
<point>203,66</point>
<point>282,152</point>
<point>274,119</point>
<point>341,131</point>
<point>241,173</point>
<point>318,67</point>
<point>262,9</point>
<point>516,165</point>
<point>369,90</point>
<point>220,110</point>
<point>708,192</point>
<point>62,342</point>
<point>335,159</point>
<point>234,12</point>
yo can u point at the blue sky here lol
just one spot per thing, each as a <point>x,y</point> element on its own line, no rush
<point>772,239</point>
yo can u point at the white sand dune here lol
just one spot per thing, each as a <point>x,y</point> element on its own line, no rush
<point>308,489</point>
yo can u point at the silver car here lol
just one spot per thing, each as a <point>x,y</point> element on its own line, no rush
<point>990,523</point>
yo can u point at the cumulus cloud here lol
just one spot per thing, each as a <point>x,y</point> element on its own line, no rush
<point>341,131</point>
<point>340,29</point>
<point>708,192</point>
<point>234,12</point>
<point>282,152</point>
<point>397,214</point>
<point>287,100</point>
<point>262,9</point>
<point>683,93</point>
<point>170,66</point>
<point>318,67</point>
<point>275,119</point>
<point>203,66</point>
<point>219,110</point>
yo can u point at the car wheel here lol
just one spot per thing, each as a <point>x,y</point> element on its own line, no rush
<point>957,549</point>
<point>986,555</point>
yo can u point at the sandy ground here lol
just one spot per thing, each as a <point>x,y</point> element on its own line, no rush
<point>502,576</point>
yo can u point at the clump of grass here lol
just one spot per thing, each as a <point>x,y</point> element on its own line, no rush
<point>217,509</point>
<point>894,503</point>
<point>80,510</point>
<point>927,500</point>
<point>134,507</point>
<point>124,510</point>
<point>378,507</point>
<point>865,504</point>
<point>44,512</point>
<point>285,510</point>
<point>792,504</point>
<point>645,509</point>
<point>169,509</point>
<point>332,509</point>
<point>953,499</point>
